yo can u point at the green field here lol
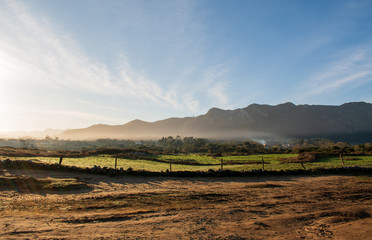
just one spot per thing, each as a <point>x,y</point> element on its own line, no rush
<point>198,162</point>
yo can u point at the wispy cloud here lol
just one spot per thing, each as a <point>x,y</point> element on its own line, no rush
<point>329,86</point>
<point>218,91</point>
<point>34,51</point>
<point>352,69</point>
<point>82,115</point>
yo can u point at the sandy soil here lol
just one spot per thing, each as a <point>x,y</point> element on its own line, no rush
<point>293,207</point>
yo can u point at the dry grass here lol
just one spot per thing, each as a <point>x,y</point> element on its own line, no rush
<point>187,208</point>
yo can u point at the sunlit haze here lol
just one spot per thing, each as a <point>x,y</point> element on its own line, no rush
<point>71,64</point>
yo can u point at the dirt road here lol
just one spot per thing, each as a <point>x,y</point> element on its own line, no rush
<point>293,207</point>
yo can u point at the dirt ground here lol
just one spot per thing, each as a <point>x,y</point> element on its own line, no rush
<point>291,207</point>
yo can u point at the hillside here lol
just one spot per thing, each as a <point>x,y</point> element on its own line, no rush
<point>347,122</point>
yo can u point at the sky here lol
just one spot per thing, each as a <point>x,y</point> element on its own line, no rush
<point>75,63</point>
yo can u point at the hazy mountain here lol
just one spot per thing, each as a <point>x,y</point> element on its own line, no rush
<point>32,134</point>
<point>348,122</point>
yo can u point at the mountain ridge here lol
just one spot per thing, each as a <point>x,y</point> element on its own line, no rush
<point>341,122</point>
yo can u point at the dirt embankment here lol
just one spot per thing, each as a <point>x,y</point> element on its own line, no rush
<point>128,207</point>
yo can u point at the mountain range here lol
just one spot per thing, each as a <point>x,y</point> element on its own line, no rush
<point>351,122</point>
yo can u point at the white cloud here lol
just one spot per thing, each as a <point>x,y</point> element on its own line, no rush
<point>191,103</point>
<point>81,115</point>
<point>39,60</point>
<point>328,86</point>
<point>34,52</point>
<point>218,92</point>
<point>354,68</point>
<point>215,73</point>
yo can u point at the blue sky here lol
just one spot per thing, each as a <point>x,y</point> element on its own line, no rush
<point>74,63</point>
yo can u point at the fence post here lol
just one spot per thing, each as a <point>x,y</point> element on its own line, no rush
<point>263,164</point>
<point>116,161</point>
<point>221,164</point>
<point>60,160</point>
<point>342,160</point>
<point>302,165</point>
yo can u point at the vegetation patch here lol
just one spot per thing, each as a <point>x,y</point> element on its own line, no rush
<point>301,158</point>
<point>31,184</point>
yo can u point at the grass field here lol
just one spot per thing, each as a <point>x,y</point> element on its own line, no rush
<point>271,162</point>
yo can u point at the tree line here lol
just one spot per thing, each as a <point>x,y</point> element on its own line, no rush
<point>177,145</point>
